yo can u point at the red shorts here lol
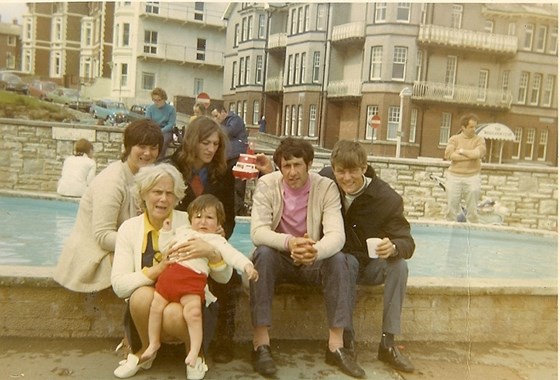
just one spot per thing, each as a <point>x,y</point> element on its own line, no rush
<point>176,281</point>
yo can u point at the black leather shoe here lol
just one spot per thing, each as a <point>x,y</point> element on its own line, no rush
<point>223,354</point>
<point>262,361</point>
<point>344,360</point>
<point>393,357</point>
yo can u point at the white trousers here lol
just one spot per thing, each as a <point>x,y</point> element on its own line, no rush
<point>460,187</point>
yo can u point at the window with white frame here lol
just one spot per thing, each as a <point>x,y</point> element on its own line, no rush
<point>371,133</point>
<point>116,35</point>
<point>126,34</point>
<point>489,26</point>
<point>423,13</point>
<point>152,7</point>
<point>11,40</point>
<point>259,69</point>
<point>380,12</point>
<point>86,68</point>
<point>56,64</point>
<point>553,43</point>
<point>450,75</point>
<point>248,70</point>
<point>287,121</point>
<point>419,55</point>
<point>456,16</point>
<point>293,13</point>
<point>28,29</point>
<point>148,81</point>
<point>303,58</point>
<point>312,130</point>
<point>548,90</point>
<point>199,11</point>
<point>300,17</point>
<point>57,33</point>
<point>234,75</point>
<point>262,26</point>
<point>241,71</point>
<point>482,85</point>
<point>393,117</point>
<point>27,61</point>
<point>300,120</point>
<point>198,86</point>
<point>540,40</point>
<point>150,42</point>
<point>403,12</point>
<point>124,75</point>
<point>413,124</point>
<point>543,142</point>
<point>306,18</point>
<point>535,90</point>
<point>530,144</point>
<point>297,66</point>
<point>528,37</point>
<point>88,35</point>
<point>243,29</point>
<point>516,147</point>
<point>10,60</point>
<point>505,85</point>
<point>523,84</point>
<point>399,62</point>
<point>316,66</point>
<point>289,80</point>
<point>239,109</point>
<point>376,63</point>
<point>256,111</point>
<point>511,29</point>
<point>200,49</point>
<point>294,122</point>
<point>236,36</point>
<point>244,117</point>
<point>321,16</point>
<point>445,128</point>
<point>250,27</point>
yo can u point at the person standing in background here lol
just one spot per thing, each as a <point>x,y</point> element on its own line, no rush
<point>234,126</point>
<point>78,170</point>
<point>165,115</point>
<point>465,151</point>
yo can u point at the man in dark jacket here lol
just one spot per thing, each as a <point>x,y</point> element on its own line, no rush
<point>234,126</point>
<point>372,209</point>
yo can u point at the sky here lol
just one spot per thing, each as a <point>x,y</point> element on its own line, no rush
<point>11,9</point>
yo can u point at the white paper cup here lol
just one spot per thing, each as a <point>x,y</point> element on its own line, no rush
<point>372,246</point>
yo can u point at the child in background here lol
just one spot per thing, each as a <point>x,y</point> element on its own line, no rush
<point>77,171</point>
<point>185,281</point>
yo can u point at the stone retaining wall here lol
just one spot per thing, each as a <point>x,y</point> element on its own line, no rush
<point>32,153</point>
<point>459,310</point>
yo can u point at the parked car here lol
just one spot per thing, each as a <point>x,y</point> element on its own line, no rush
<point>137,111</point>
<point>11,82</point>
<point>70,98</point>
<point>40,88</point>
<point>111,110</point>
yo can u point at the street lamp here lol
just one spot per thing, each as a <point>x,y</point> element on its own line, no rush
<point>404,92</point>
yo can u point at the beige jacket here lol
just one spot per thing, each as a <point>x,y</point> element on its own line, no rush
<point>85,262</point>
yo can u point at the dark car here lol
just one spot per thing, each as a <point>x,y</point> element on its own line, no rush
<point>69,97</point>
<point>40,88</point>
<point>11,82</point>
<point>137,111</point>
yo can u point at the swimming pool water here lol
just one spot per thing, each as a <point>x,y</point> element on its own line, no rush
<point>32,232</point>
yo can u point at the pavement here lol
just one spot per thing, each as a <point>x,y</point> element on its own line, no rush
<point>32,358</point>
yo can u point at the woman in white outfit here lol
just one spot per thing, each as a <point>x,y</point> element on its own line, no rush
<point>77,171</point>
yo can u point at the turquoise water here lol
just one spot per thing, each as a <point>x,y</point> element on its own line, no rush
<point>32,232</point>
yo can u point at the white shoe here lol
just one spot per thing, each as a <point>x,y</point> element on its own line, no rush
<point>198,371</point>
<point>128,368</point>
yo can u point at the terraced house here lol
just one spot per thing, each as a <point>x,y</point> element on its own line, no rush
<point>397,76</point>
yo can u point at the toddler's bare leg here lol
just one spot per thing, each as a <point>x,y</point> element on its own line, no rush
<point>192,312</point>
<point>154,325</point>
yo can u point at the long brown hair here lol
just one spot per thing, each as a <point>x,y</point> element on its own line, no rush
<point>199,130</point>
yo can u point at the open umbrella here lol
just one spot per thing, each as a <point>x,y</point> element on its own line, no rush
<point>495,131</point>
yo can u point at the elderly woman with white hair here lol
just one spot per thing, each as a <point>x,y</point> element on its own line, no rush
<point>138,263</point>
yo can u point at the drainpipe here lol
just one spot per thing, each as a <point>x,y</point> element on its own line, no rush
<point>326,66</point>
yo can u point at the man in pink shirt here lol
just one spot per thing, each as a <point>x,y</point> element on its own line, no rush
<point>297,227</point>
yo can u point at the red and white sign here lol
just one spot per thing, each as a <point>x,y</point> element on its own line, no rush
<point>375,121</point>
<point>204,99</point>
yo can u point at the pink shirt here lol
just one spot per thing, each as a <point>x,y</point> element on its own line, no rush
<point>294,214</point>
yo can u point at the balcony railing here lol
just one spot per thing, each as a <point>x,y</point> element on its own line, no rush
<point>183,54</point>
<point>468,39</point>
<point>181,12</point>
<point>469,95</point>
<point>274,84</point>
<point>277,40</point>
<point>353,30</point>
<point>337,89</point>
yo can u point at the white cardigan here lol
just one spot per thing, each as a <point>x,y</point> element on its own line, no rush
<point>127,275</point>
